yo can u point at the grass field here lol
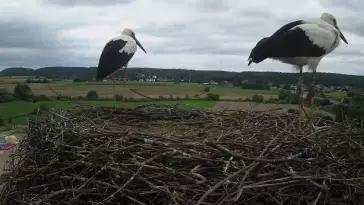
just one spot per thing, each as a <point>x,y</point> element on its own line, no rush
<point>17,109</point>
<point>337,95</point>
<point>151,89</point>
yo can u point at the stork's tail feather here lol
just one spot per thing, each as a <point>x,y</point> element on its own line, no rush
<point>260,52</point>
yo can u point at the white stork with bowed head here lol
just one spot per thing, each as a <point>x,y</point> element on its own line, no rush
<point>300,43</point>
<point>117,54</point>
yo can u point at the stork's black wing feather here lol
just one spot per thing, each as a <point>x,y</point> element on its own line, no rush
<point>286,42</point>
<point>111,59</point>
<point>287,27</point>
<point>294,43</point>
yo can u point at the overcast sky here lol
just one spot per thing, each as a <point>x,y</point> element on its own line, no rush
<point>192,34</point>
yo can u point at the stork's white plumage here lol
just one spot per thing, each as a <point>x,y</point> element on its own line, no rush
<point>117,54</point>
<point>300,43</point>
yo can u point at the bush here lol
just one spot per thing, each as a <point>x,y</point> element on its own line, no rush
<point>23,92</point>
<point>206,89</point>
<point>92,95</point>
<point>79,98</point>
<point>2,122</point>
<point>288,97</point>
<point>284,94</point>
<point>6,96</point>
<point>171,97</point>
<point>257,98</point>
<point>63,97</point>
<point>213,96</point>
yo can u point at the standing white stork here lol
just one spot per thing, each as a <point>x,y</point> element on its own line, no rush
<point>300,43</point>
<point>117,54</point>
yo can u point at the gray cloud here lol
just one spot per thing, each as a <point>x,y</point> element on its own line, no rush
<point>353,5</point>
<point>26,34</point>
<point>213,5</point>
<point>194,34</point>
<point>72,3</point>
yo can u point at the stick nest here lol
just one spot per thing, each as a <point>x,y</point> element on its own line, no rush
<point>163,155</point>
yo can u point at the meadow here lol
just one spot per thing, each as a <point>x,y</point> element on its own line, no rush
<point>191,96</point>
<point>18,111</point>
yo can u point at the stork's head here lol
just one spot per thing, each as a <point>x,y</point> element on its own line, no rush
<point>129,32</point>
<point>330,19</point>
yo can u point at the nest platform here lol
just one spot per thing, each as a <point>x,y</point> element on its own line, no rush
<point>163,155</point>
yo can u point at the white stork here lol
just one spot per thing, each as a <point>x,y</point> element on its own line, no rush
<point>300,43</point>
<point>117,54</point>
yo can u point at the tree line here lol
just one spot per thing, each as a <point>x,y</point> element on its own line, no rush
<point>198,76</point>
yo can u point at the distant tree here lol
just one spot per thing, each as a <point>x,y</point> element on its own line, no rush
<point>324,102</point>
<point>276,85</point>
<point>76,80</point>
<point>286,87</point>
<point>2,122</point>
<point>23,92</point>
<point>206,89</point>
<point>92,95</point>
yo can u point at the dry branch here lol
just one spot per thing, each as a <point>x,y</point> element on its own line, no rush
<point>164,155</point>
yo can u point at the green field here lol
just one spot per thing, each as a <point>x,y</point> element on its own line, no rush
<point>151,89</point>
<point>16,109</point>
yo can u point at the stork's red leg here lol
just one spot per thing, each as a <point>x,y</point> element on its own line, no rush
<point>300,105</point>
<point>313,93</point>
<point>124,104</point>
<point>113,85</point>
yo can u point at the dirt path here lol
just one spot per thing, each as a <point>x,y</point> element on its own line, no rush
<point>251,105</point>
<point>262,107</point>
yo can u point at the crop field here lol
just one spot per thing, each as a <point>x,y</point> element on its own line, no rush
<point>19,111</point>
<point>151,89</point>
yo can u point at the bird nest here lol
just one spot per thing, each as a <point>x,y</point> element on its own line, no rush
<point>165,155</point>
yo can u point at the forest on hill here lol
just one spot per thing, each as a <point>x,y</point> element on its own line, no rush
<point>88,73</point>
